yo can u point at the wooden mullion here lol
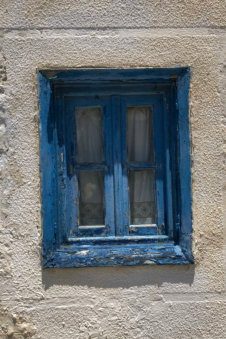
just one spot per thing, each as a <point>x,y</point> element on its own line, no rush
<point>91,167</point>
<point>119,186</point>
<point>141,165</point>
<point>167,167</point>
<point>159,158</point>
<point>108,167</point>
<point>71,211</point>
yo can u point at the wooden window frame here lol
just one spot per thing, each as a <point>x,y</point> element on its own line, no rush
<point>171,88</point>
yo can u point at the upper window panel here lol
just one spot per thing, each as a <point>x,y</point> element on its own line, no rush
<point>140,134</point>
<point>89,135</point>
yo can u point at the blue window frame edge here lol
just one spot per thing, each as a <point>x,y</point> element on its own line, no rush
<point>124,250</point>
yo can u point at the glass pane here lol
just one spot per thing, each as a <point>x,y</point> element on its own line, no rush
<point>142,197</point>
<point>89,135</point>
<point>91,189</point>
<point>140,134</point>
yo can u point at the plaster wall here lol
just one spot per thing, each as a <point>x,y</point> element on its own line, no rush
<point>120,302</point>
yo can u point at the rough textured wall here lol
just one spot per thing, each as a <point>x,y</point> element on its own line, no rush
<point>121,302</point>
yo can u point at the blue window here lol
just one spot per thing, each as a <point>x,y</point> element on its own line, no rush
<point>115,167</point>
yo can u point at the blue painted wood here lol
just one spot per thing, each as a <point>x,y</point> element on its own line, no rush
<point>117,88</point>
<point>120,227</point>
<point>91,231</point>
<point>173,84</point>
<point>125,173</point>
<point>71,184</point>
<point>127,255</point>
<point>174,159</point>
<point>143,230</point>
<point>167,167</point>
<point>62,179</point>
<point>109,168</point>
<point>153,74</point>
<point>126,239</point>
<point>47,167</point>
<point>184,163</point>
<point>140,165</point>
<point>90,167</point>
<point>159,158</point>
<point>72,203</point>
<point>153,102</point>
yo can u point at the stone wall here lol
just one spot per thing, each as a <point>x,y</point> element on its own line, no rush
<point>120,302</point>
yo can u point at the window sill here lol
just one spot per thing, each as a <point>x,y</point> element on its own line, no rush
<point>116,252</point>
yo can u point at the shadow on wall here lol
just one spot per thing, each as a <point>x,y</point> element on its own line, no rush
<point>122,276</point>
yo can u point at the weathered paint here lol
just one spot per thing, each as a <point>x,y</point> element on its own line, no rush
<point>66,90</point>
<point>114,255</point>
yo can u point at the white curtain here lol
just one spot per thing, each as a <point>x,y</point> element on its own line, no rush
<point>90,150</point>
<point>89,135</point>
<point>140,149</point>
<point>140,134</point>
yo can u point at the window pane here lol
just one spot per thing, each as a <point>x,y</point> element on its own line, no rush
<point>89,135</point>
<point>140,134</point>
<point>142,197</point>
<point>91,189</point>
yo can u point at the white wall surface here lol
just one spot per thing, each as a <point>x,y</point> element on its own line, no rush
<point>121,302</point>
